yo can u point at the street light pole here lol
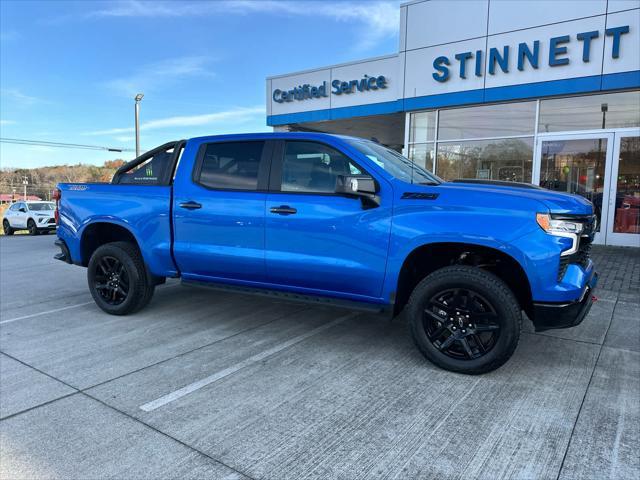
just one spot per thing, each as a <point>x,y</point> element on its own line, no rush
<point>25,182</point>
<point>138,98</point>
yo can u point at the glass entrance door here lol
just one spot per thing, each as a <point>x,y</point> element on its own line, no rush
<point>623,227</point>
<point>578,164</point>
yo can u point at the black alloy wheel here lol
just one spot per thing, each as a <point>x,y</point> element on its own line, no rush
<point>464,319</point>
<point>461,323</point>
<point>118,278</point>
<point>111,280</point>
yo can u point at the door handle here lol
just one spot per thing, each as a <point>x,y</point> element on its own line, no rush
<point>190,205</point>
<point>283,210</point>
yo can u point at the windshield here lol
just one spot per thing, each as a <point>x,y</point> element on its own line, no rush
<point>395,164</point>
<point>39,207</point>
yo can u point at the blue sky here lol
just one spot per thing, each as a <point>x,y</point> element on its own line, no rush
<point>69,69</point>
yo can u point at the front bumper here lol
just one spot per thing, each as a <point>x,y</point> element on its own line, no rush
<point>547,316</point>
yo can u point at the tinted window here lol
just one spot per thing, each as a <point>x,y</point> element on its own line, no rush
<point>150,172</point>
<point>231,166</point>
<point>313,167</point>
<point>15,207</point>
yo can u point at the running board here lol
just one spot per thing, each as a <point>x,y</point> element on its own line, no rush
<point>293,297</point>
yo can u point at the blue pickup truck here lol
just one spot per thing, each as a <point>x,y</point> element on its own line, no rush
<point>337,220</point>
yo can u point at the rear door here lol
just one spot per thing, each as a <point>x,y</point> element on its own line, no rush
<point>319,241</point>
<point>219,212</point>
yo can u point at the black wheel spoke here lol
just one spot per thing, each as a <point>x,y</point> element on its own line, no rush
<point>434,315</point>
<point>447,343</point>
<point>478,341</point>
<point>438,333</point>
<point>466,347</point>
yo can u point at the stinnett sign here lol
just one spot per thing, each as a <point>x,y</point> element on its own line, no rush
<point>526,53</point>
<point>303,92</point>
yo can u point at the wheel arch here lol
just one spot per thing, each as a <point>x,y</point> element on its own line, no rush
<point>427,258</point>
<point>98,233</point>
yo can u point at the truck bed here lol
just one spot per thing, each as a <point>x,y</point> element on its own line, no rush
<point>143,210</point>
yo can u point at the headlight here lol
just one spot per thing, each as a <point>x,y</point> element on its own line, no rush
<point>561,228</point>
<point>552,226</point>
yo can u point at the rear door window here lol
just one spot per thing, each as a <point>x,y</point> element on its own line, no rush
<point>231,165</point>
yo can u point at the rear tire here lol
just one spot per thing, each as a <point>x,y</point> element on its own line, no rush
<point>464,319</point>
<point>6,227</point>
<point>33,229</point>
<point>118,279</point>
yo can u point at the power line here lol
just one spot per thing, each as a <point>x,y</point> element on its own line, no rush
<point>43,143</point>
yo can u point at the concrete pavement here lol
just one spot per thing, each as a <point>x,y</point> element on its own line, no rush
<point>204,384</point>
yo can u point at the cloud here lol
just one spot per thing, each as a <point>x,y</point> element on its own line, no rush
<point>7,122</point>
<point>237,115</point>
<point>154,76</point>
<point>376,19</point>
<point>19,97</point>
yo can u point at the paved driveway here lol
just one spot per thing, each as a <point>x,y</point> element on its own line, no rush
<point>210,385</point>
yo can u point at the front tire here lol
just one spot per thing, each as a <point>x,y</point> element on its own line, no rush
<point>464,319</point>
<point>6,227</point>
<point>33,229</point>
<point>118,279</point>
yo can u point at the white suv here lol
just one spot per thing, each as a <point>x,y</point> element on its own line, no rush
<point>36,217</point>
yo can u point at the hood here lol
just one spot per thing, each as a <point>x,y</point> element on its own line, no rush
<point>556,202</point>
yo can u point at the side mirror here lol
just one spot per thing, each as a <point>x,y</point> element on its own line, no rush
<point>22,209</point>
<point>361,186</point>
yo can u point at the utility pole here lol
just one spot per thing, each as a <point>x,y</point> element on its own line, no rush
<point>137,108</point>
<point>25,182</point>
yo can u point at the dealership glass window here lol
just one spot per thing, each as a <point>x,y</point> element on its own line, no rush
<point>423,154</point>
<point>591,112</point>
<point>423,127</point>
<point>509,159</point>
<point>487,121</point>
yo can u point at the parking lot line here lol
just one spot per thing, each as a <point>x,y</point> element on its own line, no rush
<point>45,313</point>
<point>170,397</point>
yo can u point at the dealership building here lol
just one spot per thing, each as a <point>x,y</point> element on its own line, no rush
<point>543,92</point>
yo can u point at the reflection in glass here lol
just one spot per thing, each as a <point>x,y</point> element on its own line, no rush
<point>612,110</point>
<point>423,127</point>
<point>487,121</point>
<point>508,159</point>
<point>575,166</point>
<point>627,214</point>
<point>423,155</point>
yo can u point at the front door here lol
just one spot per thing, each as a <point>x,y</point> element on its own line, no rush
<point>623,226</point>
<point>579,164</point>
<point>317,241</point>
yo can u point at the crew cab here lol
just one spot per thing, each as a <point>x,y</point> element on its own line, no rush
<point>337,220</point>
<point>34,216</point>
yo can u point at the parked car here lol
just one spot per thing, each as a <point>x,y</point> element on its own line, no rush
<point>36,217</point>
<point>337,220</point>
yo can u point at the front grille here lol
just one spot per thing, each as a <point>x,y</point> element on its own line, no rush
<point>52,220</point>
<point>581,257</point>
